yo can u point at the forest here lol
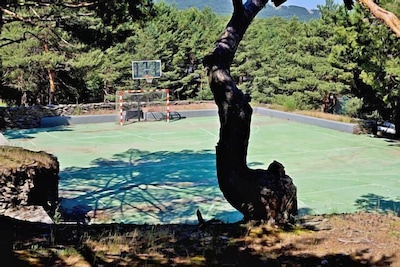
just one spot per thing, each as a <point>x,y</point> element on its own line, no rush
<point>57,54</point>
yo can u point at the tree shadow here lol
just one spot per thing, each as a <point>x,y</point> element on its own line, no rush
<point>27,133</point>
<point>178,245</point>
<point>393,142</point>
<point>305,211</point>
<point>145,187</point>
<point>373,202</point>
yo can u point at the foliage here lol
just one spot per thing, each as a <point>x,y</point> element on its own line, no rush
<point>90,51</point>
<point>353,107</point>
<point>290,104</point>
<point>67,44</point>
<point>366,49</point>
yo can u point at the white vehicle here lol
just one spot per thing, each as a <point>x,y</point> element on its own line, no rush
<point>386,128</point>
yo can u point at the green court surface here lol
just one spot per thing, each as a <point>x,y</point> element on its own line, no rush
<point>159,172</point>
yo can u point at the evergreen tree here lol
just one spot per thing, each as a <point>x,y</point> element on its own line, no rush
<point>369,52</point>
<point>55,52</point>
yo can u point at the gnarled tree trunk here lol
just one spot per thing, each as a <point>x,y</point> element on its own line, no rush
<point>267,195</point>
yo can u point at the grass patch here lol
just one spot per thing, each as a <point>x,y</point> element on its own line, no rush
<point>17,157</point>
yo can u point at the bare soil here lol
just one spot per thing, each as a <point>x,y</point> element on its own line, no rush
<point>359,239</point>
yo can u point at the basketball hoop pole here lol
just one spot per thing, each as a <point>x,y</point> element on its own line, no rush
<point>168,112</point>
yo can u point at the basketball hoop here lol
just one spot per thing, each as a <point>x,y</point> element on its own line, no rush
<point>149,78</point>
<point>146,70</point>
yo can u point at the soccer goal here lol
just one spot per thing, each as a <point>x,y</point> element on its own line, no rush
<point>138,105</point>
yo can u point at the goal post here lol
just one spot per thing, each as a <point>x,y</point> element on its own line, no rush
<point>135,105</point>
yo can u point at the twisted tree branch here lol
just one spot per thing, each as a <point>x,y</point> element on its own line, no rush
<point>387,17</point>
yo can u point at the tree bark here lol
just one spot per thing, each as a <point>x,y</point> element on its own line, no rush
<point>267,195</point>
<point>50,73</point>
<point>387,17</point>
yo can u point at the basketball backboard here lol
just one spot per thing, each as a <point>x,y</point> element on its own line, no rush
<point>143,69</point>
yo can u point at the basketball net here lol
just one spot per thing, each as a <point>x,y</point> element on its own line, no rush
<point>149,78</point>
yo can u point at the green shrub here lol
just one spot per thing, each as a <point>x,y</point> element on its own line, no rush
<point>353,107</point>
<point>109,98</point>
<point>290,104</point>
<point>204,94</point>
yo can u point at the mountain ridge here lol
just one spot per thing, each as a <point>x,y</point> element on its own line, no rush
<point>224,7</point>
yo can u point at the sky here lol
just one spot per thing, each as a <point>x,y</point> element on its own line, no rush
<point>309,4</point>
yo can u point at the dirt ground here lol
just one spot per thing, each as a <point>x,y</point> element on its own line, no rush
<point>359,239</point>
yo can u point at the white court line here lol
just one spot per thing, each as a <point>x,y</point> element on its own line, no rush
<point>33,143</point>
<point>209,133</point>
<point>255,129</point>
<point>308,151</point>
<point>365,144</point>
<point>205,130</point>
<point>335,189</point>
<point>337,177</point>
<point>304,205</point>
<point>113,136</point>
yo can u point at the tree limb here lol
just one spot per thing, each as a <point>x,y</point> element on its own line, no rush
<point>63,4</point>
<point>237,6</point>
<point>12,14</point>
<point>387,17</point>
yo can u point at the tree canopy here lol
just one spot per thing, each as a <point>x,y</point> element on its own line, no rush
<point>85,50</point>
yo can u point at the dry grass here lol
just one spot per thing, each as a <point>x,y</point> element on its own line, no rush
<point>315,113</point>
<point>359,239</point>
<point>17,157</point>
<point>326,116</point>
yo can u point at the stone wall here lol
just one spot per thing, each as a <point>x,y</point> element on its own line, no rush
<point>27,178</point>
<point>29,117</point>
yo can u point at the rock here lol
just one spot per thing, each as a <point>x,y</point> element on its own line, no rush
<point>35,214</point>
<point>28,180</point>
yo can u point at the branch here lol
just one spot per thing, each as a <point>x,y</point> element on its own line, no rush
<point>23,38</point>
<point>80,5</point>
<point>12,14</point>
<point>10,41</point>
<point>45,4</point>
<point>237,6</point>
<point>387,17</point>
<point>278,2</point>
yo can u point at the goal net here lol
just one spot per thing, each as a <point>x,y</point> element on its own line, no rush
<point>138,105</point>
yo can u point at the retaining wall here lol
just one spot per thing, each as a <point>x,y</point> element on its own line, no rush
<point>334,125</point>
<point>82,119</point>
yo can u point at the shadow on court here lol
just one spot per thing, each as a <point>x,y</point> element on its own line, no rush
<point>145,187</point>
<point>373,202</point>
<point>31,133</point>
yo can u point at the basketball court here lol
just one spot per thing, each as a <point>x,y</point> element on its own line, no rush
<point>159,172</point>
